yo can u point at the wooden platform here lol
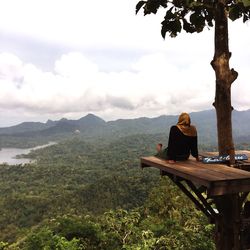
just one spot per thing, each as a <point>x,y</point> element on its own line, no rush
<point>219,179</point>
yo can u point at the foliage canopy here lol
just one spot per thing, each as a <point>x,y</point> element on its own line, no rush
<point>82,195</point>
<point>192,15</point>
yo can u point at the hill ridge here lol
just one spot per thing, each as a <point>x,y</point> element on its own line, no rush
<point>92,126</point>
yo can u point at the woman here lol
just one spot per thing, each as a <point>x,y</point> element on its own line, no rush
<point>182,140</point>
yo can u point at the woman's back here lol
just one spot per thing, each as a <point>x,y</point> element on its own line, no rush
<point>181,145</point>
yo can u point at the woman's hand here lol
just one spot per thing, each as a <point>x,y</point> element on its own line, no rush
<point>171,161</point>
<point>199,158</point>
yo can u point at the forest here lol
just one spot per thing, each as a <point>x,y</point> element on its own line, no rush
<point>82,194</point>
<point>92,194</point>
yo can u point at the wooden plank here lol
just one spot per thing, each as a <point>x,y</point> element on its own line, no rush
<point>219,179</point>
<point>229,187</point>
<point>211,172</point>
<point>219,170</point>
<point>186,171</point>
<point>224,171</point>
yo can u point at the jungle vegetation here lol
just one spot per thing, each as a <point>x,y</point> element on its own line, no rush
<point>93,195</point>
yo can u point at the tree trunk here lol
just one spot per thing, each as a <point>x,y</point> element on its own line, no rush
<point>224,79</point>
<point>228,222</point>
<point>227,229</point>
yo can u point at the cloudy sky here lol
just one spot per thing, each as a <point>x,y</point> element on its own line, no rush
<point>68,58</point>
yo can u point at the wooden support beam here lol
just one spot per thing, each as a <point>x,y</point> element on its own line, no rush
<point>228,187</point>
<point>193,199</point>
<point>217,178</point>
<point>202,199</point>
<point>243,197</point>
<point>199,201</point>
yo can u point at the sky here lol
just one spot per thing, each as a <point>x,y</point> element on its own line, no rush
<point>68,58</point>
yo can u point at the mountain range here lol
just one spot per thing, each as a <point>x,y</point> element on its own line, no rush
<point>91,126</point>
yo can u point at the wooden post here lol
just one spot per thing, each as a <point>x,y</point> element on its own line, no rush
<point>227,187</point>
<point>228,223</point>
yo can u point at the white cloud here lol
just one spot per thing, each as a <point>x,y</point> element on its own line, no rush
<point>10,66</point>
<point>165,77</point>
<point>77,85</point>
<point>75,65</point>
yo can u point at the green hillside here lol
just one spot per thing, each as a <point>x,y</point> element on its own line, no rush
<point>93,195</point>
<point>92,127</point>
<point>88,192</point>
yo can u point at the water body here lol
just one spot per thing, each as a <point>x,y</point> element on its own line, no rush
<point>8,155</point>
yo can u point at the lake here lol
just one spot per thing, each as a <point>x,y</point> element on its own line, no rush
<point>7,155</point>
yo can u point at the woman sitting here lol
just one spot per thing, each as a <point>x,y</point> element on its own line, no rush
<point>182,141</point>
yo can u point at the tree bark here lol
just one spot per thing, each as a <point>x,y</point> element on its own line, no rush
<point>224,78</point>
<point>227,229</point>
<point>228,222</point>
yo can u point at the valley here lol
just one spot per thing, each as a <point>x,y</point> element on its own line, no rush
<point>88,192</point>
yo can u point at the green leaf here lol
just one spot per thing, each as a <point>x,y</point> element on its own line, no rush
<point>169,15</point>
<point>164,3</point>
<point>197,20</point>
<point>194,17</point>
<point>151,6</point>
<point>246,3</point>
<point>163,31</point>
<point>171,26</point>
<point>188,27</point>
<point>139,5</point>
<point>235,12</point>
<point>245,18</point>
<point>177,26</point>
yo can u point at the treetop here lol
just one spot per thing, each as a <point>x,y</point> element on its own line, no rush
<point>193,15</point>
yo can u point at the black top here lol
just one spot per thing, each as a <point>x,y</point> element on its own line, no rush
<point>180,146</point>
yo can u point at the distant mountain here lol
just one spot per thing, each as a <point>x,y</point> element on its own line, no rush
<point>204,120</point>
<point>85,124</point>
<point>25,127</point>
<point>91,126</point>
<point>90,120</point>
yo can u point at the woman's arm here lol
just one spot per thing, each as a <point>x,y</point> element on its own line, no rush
<point>171,140</point>
<point>194,147</point>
